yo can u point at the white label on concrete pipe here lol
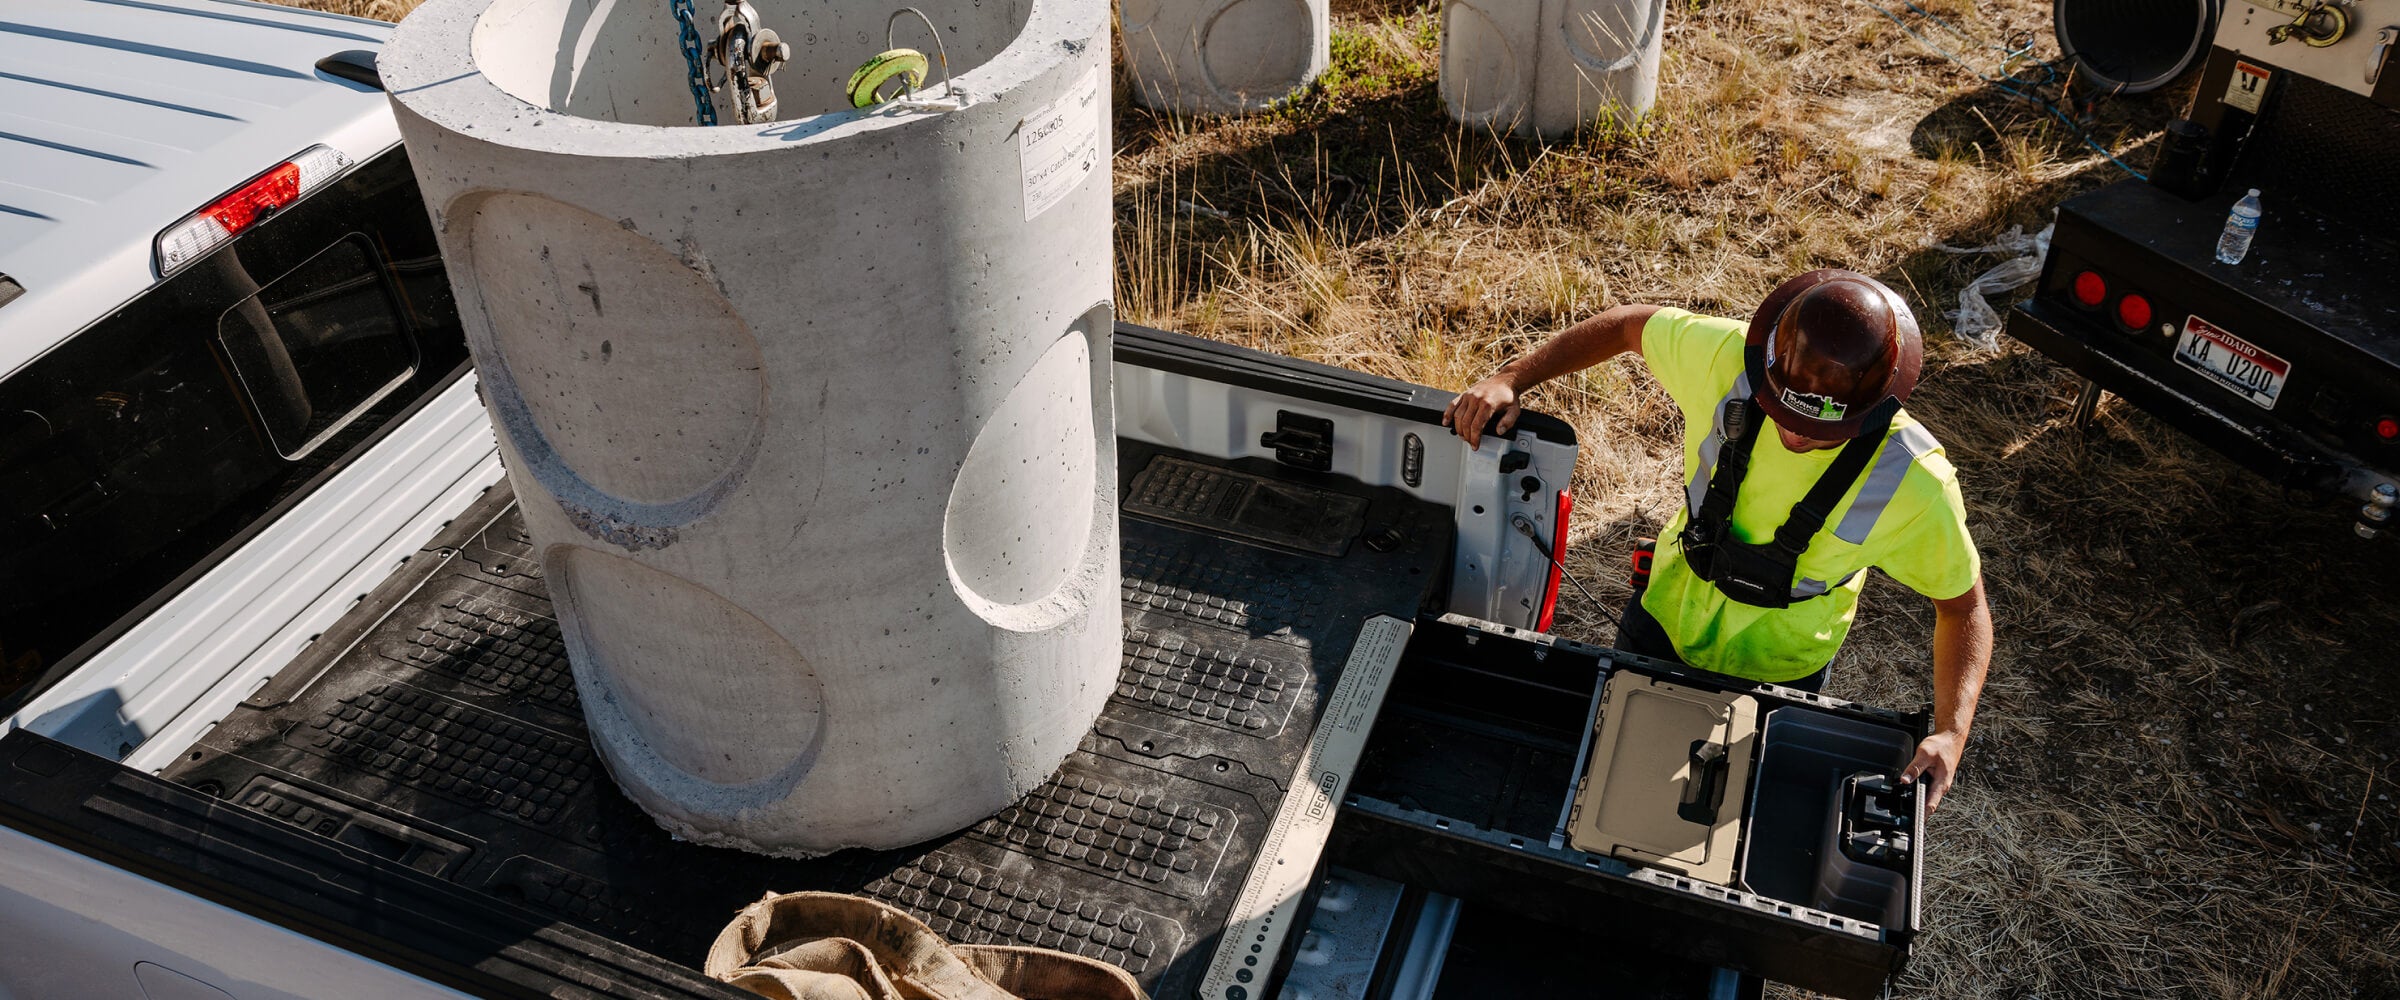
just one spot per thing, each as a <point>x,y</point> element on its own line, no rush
<point>1059,145</point>
<point>1262,917</point>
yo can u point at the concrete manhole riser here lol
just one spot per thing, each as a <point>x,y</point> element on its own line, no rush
<point>1222,56</point>
<point>1547,68</point>
<point>811,421</point>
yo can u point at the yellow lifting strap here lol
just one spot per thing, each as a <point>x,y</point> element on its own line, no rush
<point>909,65</point>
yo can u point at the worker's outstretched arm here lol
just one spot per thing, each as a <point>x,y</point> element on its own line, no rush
<point>1962,651</point>
<point>1573,349</point>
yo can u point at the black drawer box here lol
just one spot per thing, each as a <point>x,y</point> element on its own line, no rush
<point>1468,784</point>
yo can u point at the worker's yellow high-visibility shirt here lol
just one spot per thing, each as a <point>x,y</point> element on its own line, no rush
<point>1903,516</point>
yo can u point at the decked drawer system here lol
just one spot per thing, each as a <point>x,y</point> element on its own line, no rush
<point>1468,789</point>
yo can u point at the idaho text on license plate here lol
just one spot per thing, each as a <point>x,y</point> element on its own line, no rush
<point>2232,362</point>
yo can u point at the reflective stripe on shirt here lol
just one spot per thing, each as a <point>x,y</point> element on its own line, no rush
<point>1697,489</point>
<point>1900,451</point>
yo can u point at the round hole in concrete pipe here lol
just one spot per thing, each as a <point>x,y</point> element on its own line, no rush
<point>1605,34</point>
<point>711,691</point>
<point>1257,50</point>
<point>619,61</point>
<point>648,397</point>
<point>1480,77</point>
<point>1020,515</point>
<point>1135,16</point>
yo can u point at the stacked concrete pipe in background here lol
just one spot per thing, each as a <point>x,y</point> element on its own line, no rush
<point>1545,68</point>
<point>810,421</point>
<point>1222,56</point>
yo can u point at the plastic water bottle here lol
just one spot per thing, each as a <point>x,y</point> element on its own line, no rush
<point>2239,228</point>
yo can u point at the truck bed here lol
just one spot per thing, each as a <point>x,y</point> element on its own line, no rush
<point>438,726</point>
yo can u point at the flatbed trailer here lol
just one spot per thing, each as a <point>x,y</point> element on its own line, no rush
<point>2289,362</point>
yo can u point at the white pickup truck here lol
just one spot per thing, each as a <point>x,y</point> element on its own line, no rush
<point>287,714</point>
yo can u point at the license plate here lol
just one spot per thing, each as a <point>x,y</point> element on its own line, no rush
<point>2239,365</point>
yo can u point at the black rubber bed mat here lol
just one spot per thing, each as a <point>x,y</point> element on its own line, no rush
<point>438,726</point>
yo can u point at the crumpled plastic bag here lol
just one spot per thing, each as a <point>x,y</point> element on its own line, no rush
<point>1975,321</point>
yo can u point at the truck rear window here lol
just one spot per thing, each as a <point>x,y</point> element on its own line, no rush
<point>137,454</point>
<point>317,345</point>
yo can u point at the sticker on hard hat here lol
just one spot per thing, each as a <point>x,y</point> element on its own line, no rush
<point>1809,404</point>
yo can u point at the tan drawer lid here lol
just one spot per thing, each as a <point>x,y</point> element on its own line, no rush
<point>1670,772</point>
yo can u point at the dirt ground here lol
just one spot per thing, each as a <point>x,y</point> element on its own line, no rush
<point>2180,781</point>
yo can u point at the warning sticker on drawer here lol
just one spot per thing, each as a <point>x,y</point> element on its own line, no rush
<point>1059,145</point>
<point>2248,86</point>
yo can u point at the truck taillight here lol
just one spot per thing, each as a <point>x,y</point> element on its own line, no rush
<point>2090,289</point>
<point>1558,559</point>
<point>2134,311</point>
<point>2388,428</point>
<point>225,218</point>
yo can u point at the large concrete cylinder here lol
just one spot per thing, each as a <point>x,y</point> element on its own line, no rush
<point>1222,56</point>
<point>1545,68</point>
<point>810,421</point>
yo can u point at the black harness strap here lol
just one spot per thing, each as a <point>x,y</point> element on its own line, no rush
<point>1808,516</point>
<point>1737,567</point>
<point>1733,465</point>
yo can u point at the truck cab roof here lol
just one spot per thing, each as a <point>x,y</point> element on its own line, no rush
<point>119,118</point>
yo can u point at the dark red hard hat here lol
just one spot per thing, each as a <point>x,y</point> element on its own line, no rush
<point>1837,344</point>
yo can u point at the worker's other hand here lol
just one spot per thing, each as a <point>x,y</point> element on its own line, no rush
<point>1937,763</point>
<point>1473,409</point>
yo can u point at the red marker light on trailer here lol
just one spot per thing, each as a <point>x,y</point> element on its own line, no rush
<point>1558,559</point>
<point>225,218</point>
<point>2133,311</point>
<point>2090,289</point>
<point>2388,428</point>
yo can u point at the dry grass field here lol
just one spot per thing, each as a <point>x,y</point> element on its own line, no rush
<point>2181,780</point>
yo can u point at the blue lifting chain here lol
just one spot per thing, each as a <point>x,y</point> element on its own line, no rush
<point>695,68</point>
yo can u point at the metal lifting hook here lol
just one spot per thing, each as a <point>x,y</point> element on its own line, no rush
<point>750,55</point>
<point>941,50</point>
<point>2319,24</point>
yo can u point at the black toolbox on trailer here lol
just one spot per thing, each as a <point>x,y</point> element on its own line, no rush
<point>2288,362</point>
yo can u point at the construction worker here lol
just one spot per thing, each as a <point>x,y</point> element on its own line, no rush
<point>1758,575</point>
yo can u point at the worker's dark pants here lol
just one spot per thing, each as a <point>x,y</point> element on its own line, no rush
<point>1642,635</point>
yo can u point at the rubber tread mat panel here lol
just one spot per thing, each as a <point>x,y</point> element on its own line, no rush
<point>1126,831</point>
<point>1241,692</point>
<point>1198,587</point>
<point>502,648</point>
<point>964,901</point>
<point>446,747</point>
<point>448,738</point>
<point>1247,505</point>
